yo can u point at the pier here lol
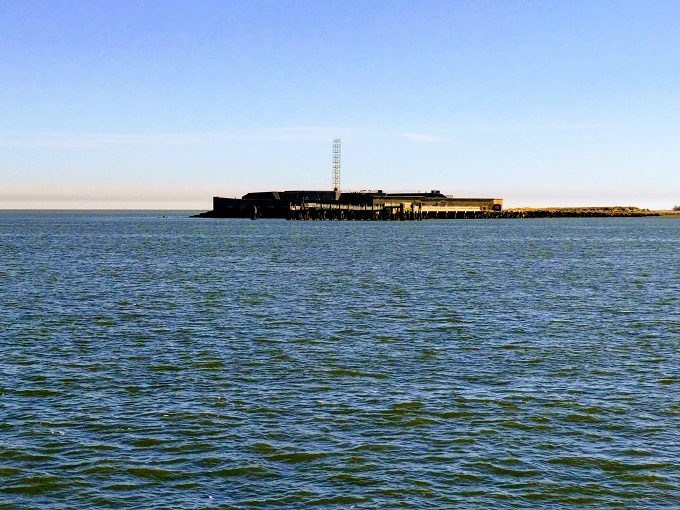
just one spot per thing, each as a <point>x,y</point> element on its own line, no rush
<point>383,212</point>
<point>390,210</point>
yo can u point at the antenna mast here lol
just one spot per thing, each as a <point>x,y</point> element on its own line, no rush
<point>336,167</point>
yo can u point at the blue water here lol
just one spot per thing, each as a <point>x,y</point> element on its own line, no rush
<point>150,362</point>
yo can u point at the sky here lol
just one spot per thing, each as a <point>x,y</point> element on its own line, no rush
<point>163,104</point>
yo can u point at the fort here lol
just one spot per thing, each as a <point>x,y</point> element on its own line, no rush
<point>356,205</point>
<point>362,205</point>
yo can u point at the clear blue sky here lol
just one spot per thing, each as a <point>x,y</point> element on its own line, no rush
<point>165,103</point>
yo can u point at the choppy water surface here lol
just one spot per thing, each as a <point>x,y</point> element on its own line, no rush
<point>181,363</point>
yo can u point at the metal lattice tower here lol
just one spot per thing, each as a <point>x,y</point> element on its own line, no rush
<point>336,167</point>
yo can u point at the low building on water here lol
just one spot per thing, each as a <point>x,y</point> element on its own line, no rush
<point>361,205</point>
<point>369,205</point>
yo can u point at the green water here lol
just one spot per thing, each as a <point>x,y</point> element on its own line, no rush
<point>150,362</point>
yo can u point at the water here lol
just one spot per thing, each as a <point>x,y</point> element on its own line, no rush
<point>150,362</point>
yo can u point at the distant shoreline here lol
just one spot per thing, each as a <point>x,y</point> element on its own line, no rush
<point>580,212</point>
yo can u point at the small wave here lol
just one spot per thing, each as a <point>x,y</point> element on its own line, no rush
<point>503,471</point>
<point>297,457</point>
<point>39,392</point>
<point>16,454</point>
<point>468,477</point>
<point>457,414</point>
<point>608,464</point>
<point>257,471</point>
<point>637,477</point>
<point>291,498</point>
<point>513,424</point>
<point>634,452</point>
<point>421,421</point>
<point>209,365</point>
<point>515,345</point>
<point>337,500</point>
<point>402,408</point>
<point>406,491</point>
<point>100,469</point>
<point>375,447</point>
<point>121,487</point>
<point>130,315</point>
<point>147,442</point>
<point>348,372</point>
<point>154,473</point>
<point>191,447</point>
<point>582,418</point>
<point>261,447</point>
<point>351,479</point>
<point>165,368</point>
<point>103,321</point>
<point>35,485</point>
<point>564,500</point>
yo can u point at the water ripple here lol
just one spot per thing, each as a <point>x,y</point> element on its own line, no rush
<point>150,362</point>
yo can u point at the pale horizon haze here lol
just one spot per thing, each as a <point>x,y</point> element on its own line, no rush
<point>163,104</point>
